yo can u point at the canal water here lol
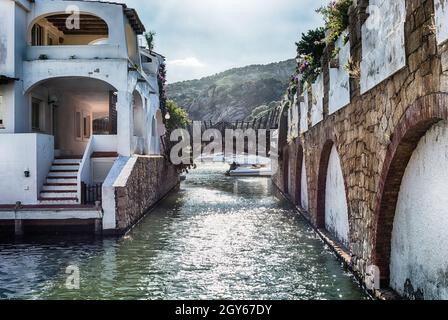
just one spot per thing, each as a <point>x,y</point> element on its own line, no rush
<point>216,238</point>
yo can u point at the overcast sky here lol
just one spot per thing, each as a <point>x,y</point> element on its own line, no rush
<point>203,37</point>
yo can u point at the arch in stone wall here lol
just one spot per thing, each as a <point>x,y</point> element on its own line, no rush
<point>321,183</point>
<point>298,176</point>
<point>332,202</point>
<point>283,131</point>
<point>413,126</point>
<point>304,198</point>
<point>286,170</point>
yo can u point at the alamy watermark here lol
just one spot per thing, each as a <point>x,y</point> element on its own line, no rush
<point>72,282</point>
<point>191,144</point>
<point>73,21</point>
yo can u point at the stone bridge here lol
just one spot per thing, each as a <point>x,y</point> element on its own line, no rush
<point>256,135</point>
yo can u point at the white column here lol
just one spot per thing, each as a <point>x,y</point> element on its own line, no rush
<point>124,122</point>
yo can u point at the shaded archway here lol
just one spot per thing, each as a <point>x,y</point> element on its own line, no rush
<point>416,122</point>
<point>283,131</point>
<point>72,109</point>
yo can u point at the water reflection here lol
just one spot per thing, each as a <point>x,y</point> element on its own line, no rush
<point>217,238</point>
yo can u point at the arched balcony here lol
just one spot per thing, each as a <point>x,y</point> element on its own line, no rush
<point>63,36</point>
<point>66,29</point>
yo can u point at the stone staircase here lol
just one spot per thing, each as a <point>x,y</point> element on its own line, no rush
<point>62,183</point>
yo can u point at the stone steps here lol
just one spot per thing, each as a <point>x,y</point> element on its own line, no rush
<point>61,187</point>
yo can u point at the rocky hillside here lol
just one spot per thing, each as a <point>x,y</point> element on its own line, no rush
<point>236,94</point>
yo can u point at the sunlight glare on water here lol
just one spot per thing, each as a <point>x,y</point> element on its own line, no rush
<point>218,237</point>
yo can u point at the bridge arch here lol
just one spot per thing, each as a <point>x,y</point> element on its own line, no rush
<point>332,204</point>
<point>298,175</point>
<point>283,129</point>
<point>286,171</point>
<point>415,159</point>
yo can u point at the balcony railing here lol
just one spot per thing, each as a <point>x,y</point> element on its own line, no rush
<point>103,51</point>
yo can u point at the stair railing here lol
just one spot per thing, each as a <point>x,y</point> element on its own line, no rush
<point>84,172</point>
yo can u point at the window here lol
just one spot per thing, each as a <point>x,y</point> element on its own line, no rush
<point>2,113</point>
<point>86,124</point>
<point>37,35</point>
<point>36,115</point>
<point>78,131</point>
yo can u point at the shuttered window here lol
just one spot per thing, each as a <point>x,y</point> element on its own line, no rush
<point>87,124</point>
<point>78,126</point>
<point>36,115</point>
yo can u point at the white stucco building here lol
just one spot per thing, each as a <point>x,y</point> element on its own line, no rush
<point>77,94</point>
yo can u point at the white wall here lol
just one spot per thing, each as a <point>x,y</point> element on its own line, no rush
<point>112,71</point>
<point>317,108</point>
<point>304,113</point>
<point>304,186</point>
<point>420,237</point>
<point>293,121</point>
<point>383,43</point>
<point>20,16</point>
<point>336,212</point>
<point>44,158</point>
<point>339,95</point>
<point>68,107</point>
<point>25,151</point>
<point>7,42</point>
<point>7,92</point>
<point>66,52</point>
<point>108,193</point>
<point>441,16</point>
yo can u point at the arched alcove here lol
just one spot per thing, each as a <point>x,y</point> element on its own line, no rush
<point>304,187</point>
<point>410,214</point>
<point>419,258</point>
<point>138,115</point>
<point>286,171</point>
<point>298,176</point>
<point>332,209</point>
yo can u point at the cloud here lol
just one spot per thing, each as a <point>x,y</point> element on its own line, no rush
<point>222,34</point>
<point>190,62</point>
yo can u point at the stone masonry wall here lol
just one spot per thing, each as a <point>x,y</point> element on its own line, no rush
<point>375,136</point>
<point>151,178</point>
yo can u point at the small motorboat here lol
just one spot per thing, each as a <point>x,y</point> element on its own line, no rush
<point>247,170</point>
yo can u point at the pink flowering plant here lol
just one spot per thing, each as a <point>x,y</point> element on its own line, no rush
<point>310,49</point>
<point>336,16</point>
